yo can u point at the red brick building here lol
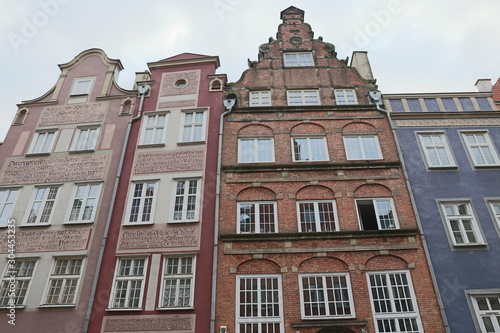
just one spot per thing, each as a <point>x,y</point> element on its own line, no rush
<point>316,228</point>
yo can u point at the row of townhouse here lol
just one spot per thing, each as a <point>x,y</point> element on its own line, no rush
<point>297,199</point>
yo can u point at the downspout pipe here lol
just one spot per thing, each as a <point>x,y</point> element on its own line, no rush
<point>376,98</point>
<point>143,89</point>
<point>228,102</point>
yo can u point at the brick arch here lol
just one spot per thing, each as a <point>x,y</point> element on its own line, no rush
<point>308,128</point>
<point>372,190</point>
<point>358,127</point>
<point>385,262</point>
<point>260,266</point>
<point>323,264</point>
<point>256,194</point>
<point>255,129</point>
<point>315,192</point>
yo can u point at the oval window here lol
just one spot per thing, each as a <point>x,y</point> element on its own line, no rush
<point>180,83</point>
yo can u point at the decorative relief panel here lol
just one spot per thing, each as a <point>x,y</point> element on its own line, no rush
<point>177,104</point>
<point>52,170</point>
<point>448,122</point>
<point>155,239</point>
<point>168,80</point>
<point>149,323</point>
<point>172,161</point>
<point>73,114</point>
<point>46,240</point>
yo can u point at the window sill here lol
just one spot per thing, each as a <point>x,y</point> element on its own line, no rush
<point>183,221</point>
<point>50,306</point>
<point>444,167</point>
<point>123,309</point>
<point>77,222</point>
<point>489,166</point>
<point>188,143</point>
<point>174,309</point>
<point>467,247</point>
<point>37,154</point>
<point>17,307</point>
<point>151,145</point>
<point>82,151</point>
<point>131,224</point>
<point>25,225</point>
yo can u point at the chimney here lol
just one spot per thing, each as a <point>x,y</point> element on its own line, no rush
<point>360,62</point>
<point>484,85</point>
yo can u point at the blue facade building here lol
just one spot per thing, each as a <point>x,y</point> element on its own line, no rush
<point>450,144</point>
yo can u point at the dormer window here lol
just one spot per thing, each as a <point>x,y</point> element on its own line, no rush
<point>345,96</point>
<point>82,86</point>
<point>298,59</point>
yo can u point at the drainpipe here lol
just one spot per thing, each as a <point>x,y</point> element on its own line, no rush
<point>143,89</point>
<point>228,102</point>
<point>376,97</point>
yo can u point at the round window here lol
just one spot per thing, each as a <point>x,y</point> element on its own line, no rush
<point>180,83</point>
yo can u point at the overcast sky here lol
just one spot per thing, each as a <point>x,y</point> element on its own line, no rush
<point>413,45</point>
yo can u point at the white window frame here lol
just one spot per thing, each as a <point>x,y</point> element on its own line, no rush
<point>43,142</point>
<point>318,223</point>
<point>66,292</point>
<point>8,198</point>
<point>490,314</point>
<point>309,148</point>
<point>495,211</point>
<point>435,150</point>
<point>376,207</point>
<point>179,281</point>
<point>346,97</point>
<point>23,271</point>
<point>82,86</point>
<point>360,145</point>
<point>193,131</point>
<point>183,200</point>
<point>260,304</point>
<point>145,213</point>
<point>159,131</point>
<point>86,139</point>
<point>46,200</point>
<point>260,98</point>
<point>461,228</point>
<point>302,97</point>
<point>257,148</point>
<point>321,295</point>
<point>130,279</point>
<point>88,198</point>
<point>481,148</point>
<point>411,305</point>
<point>298,59</point>
<point>257,207</point>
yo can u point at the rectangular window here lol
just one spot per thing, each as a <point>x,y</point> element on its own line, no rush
<point>193,126</point>
<point>414,105</point>
<point>64,281</point>
<point>461,223</point>
<point>309,149</point>
<point>362,147</point>
<point>128,285</point>
<point>393,302</point>
<point>436,150</point>
<point>495,208</point>
<point>345,96</point>
<point>23,271</point>
<point>142,202</point>
<point>8,198</point>
<point>186,200</point>
<point>259,309</point>
<point>481,149</point>
<point>487,311</point>
<point>43,142</point>
<point>178,282</point>
<point>82,86</point>
<point>154,129</point>
<point>298,59</point>
<point>377,214</point>
<point>317,216</point>
<point>42,205</point>
<point>326,296</point>
<point>431,104</point>
<point>255,150</point>
<point>86,139</point>
<point>302,97</point>
<point>84,203</point>
<point>257,217</point>
<point>260,98</point>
